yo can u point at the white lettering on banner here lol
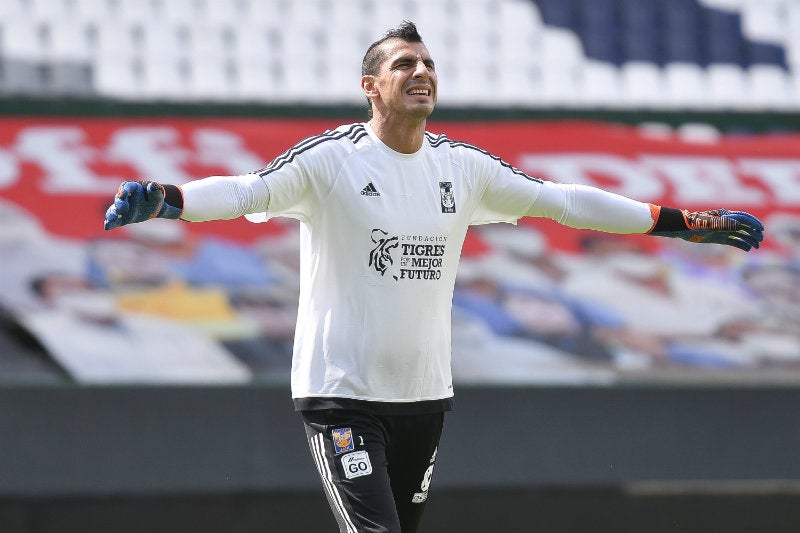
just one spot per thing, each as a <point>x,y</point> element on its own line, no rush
<point>224,149</point>
<point>153,151</point>
<point>704,180</point>
<point>61,152</point>
<point>633,179</point>
<point>694,180</point>
<point>781,176</point>
<point>9,170</point>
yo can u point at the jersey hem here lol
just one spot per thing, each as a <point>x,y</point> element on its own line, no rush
<point>383,408</point>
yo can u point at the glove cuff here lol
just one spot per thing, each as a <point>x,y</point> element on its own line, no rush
<point>173,195</point>
<point>670,220</point>
<point>172,207</point>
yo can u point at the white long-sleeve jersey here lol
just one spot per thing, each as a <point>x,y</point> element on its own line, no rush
<point>381,237</point>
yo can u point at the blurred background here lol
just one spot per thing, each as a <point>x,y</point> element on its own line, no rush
<point>603,383</point>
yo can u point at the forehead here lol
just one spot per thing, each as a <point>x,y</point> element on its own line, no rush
<point>396,48</point>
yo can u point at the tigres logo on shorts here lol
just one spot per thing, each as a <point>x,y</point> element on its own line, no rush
<point>342,440</point>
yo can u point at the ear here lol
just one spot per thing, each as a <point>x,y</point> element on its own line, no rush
<point>369,87</point>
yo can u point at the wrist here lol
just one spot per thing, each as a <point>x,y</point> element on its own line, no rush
<point>670,220</point>
<point>173,195</point>
<point>173,202</point>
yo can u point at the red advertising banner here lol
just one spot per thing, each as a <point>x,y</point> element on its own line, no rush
<point>545,302</point>
<point>65,170</point>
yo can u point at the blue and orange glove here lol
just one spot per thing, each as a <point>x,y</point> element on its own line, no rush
<point>137,201</point>
<point>720,226</point>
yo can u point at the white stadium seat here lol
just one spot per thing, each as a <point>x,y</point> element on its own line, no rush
<point>764,20</point>
<point>686,85</point>
<point>256,81</point>
<point>69,41</point>
<point>793,38</point>
<point>166,78</point>
<point>210,40</point>
<point>769,87</point>
<point>117,77</point>
<point>210,78</point>
<point>389,15</point>
<point>162,39</point>
<point>21,39</point>
<point>140,11</point>
<point>601,85</point>
<point>794,88</point>
<point>255,41</point>
<point>96,11</point>
<point>727,86</point>
<point>643,84</point>
<point>560,50</point>
<point>183,11</point>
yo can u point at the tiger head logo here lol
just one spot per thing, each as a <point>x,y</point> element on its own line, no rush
<point>380,257</point>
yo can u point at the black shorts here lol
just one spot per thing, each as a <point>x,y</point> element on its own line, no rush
<point>375,469</point>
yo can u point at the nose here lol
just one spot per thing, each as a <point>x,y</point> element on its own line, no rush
<point>421,70</point>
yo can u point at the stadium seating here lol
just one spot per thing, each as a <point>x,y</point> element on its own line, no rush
<point>657,54</point>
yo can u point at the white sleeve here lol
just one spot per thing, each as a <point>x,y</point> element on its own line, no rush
<point>584,207</point>
<point>224,197</point>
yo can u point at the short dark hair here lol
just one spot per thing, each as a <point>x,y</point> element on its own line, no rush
<point>407,31</point>
<point>375,55</point>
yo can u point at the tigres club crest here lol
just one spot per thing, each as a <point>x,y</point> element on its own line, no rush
<point>448,197</point>
<point>342,440</point>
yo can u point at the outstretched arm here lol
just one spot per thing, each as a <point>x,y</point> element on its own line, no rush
<point>584,207</point>
<point>213,198</point>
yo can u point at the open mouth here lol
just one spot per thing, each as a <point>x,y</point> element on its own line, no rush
<point>419,92</point>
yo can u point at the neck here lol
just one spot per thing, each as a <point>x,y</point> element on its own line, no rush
<point>404,137</point>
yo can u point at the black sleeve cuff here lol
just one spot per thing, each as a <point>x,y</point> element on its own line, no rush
<point>670,219</point>
<point>173,196</point>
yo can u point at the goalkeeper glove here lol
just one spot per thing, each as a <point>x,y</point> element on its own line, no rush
<point>720,226</point>
<point>137,201</point>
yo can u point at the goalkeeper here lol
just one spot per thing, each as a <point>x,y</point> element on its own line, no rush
<point>384,207</point>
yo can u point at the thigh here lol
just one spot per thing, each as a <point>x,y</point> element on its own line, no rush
<point>349,449</point>
<point>411,453</point>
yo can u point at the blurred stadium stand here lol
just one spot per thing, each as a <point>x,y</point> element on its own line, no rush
<point>617,54</point>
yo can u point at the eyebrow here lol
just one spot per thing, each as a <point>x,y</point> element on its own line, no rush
<point>427,61</point>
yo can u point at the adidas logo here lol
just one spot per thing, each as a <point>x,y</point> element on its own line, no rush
<point>370,190</point>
